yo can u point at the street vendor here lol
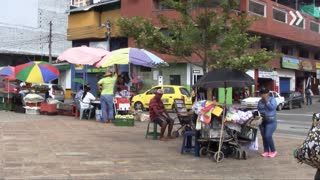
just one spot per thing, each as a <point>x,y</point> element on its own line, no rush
<point>159,115</point>
<point>107,86</point>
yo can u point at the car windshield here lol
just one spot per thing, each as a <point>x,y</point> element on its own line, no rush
<point>185,92</point>
<point>286,95</point>
<point>257,94</point>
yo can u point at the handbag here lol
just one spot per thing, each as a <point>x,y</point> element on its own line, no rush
<point>309,152</point>
<point>248,133</point>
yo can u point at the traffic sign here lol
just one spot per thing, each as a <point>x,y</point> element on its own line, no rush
<point>296,18</point>
<point>196,71</point>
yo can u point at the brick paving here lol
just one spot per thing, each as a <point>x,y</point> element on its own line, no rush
<point>61,147</point>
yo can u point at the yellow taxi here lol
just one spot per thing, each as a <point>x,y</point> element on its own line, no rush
<point>170,92</point>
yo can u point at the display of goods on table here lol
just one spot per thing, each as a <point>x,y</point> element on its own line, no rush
<point>124,120</point>
<point>40,88</point>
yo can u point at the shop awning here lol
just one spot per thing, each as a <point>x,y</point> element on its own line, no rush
<point>62,66</point>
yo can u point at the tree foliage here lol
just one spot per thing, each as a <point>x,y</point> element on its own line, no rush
<point>219,37</point>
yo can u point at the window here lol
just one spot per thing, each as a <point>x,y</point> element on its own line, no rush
<point>257,8</point>
<point>314,27</point>
<point>145,69</point>
<point>153,91</point>
<point>317,55</point>
<point>301,25</point>
<point>287,50</point>
<point>279,15</point>
<point>304,53</point>
<point>168,90</point>
<point>158,4</point>
<point>267,43</point>
<point>185,92</point>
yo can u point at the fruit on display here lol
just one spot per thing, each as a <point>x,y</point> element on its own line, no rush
<point>129,116</point>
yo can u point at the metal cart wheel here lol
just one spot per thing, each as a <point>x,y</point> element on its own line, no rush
<point>175,133</point>
<point>203,151</point>
<point>218,156</point>
<point>238,153</point>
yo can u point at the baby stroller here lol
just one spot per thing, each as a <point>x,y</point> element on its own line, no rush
<point>184,118</point>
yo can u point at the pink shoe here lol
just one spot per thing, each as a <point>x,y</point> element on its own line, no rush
<point>265,154</point>
<point>273,154</point>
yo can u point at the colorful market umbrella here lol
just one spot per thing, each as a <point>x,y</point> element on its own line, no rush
<point>83,55</point>
<point>131,56</point>
<point>79,80</point>
<point>7,70</point>
<point>36,72</point>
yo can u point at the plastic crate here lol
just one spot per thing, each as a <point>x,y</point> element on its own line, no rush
<point>65,112</point>
<point>48,108</point>
<point>19,109</point>
<point>7,106</point>
<point>32,110</point>
<point>123,122</point>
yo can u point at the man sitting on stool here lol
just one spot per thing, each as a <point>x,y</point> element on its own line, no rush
<point>159,115</point>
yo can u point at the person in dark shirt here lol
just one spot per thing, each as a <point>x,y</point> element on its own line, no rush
<point>159,115</point>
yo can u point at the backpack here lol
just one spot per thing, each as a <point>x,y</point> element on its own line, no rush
<point>309,152</point>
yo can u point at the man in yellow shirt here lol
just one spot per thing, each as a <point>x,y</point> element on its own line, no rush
<point>106,85</point>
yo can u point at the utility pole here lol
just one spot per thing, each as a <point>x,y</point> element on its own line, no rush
<point>50,42</point>
<point>108,33</point>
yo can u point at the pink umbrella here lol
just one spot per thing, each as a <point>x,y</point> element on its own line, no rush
<point>83,55</point>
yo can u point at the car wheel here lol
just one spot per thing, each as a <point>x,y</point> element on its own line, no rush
<point>279,108</point>
<point>138,106</point>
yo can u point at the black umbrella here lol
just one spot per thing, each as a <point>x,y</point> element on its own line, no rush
<point>225,78</point>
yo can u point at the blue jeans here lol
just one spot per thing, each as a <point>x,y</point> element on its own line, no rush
<point>309,100</point>
<point>107,104</point>
<point>267,129</point>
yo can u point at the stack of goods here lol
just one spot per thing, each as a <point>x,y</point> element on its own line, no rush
<point>33,103</point>
<point>124,120</point>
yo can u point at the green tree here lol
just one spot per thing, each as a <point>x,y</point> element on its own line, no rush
<point>219,37</point>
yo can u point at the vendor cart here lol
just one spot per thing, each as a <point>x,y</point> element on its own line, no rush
<point>224,78</point>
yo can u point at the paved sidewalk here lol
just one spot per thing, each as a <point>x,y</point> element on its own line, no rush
<point>60,147</point>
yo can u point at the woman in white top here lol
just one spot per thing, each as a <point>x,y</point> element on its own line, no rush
<point>87,97</point>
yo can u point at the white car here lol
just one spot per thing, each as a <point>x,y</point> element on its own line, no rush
<point>252,102</point>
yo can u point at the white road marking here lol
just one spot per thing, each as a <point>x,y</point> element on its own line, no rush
<point>287,114</point>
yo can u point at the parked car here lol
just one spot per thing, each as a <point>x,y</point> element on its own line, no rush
<point>55,91</point>
<point>252,102</point>
<point>170,92</point>
<point>292,99</point>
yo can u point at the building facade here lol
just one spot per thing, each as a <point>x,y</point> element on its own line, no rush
<point>282,25</point>
<point>24,31</point>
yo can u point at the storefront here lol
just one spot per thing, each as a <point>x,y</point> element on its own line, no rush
<point>286,80</point>
<point>267,79</point>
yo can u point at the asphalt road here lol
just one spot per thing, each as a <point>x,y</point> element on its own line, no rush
<point>297,122</point>
<point>294,123</point>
